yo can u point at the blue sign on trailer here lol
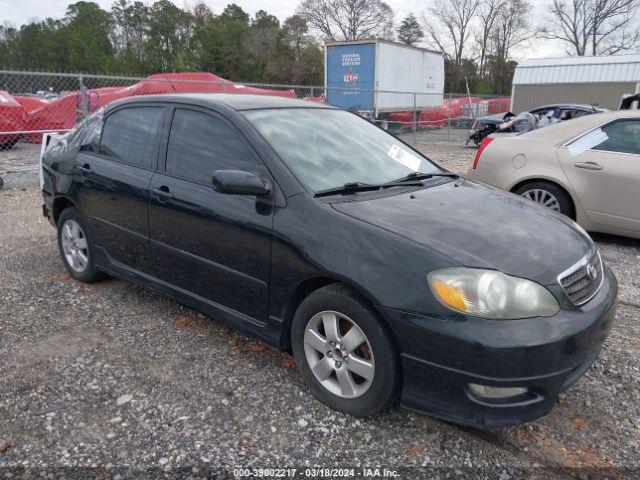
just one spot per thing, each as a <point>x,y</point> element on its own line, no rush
<point>351,67</point>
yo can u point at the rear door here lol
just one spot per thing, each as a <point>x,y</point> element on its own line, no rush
<point>112,180</point>
<point>606,177</point>
<point>214,245</point>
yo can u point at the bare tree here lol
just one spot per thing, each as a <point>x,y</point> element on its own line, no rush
<point>348,19</point>
<point>487,14</point>
<point>449,26</point>
<point>594,27</point>
<point>511,28</point>
<point>201,14</point>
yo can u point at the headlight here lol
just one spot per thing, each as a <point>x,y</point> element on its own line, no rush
<point>491,294</point>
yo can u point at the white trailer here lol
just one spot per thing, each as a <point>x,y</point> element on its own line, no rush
<point>378,76</point>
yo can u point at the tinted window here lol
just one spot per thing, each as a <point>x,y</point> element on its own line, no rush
<point>200,144</point>
<point>624,137</point>
<point>130,135</point>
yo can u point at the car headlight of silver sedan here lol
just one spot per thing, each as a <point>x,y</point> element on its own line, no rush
<point>491,294</point>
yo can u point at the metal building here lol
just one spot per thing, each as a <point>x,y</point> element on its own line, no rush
<point>589,80</point>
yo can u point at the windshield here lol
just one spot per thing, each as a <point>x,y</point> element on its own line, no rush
<point>327,148</point>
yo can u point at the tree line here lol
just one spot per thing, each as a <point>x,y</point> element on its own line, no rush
<point>134,38</point>
<point>477,37</point>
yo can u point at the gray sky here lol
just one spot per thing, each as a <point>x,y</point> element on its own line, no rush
<point>25,11</point>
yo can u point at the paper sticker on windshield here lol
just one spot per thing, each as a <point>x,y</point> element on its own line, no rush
<point>404,157</point>
<point>584,143</point>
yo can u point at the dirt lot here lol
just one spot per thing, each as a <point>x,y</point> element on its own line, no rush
<point>113,381</point>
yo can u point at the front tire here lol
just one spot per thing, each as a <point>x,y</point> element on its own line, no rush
<point>346,356</point>
<point>76,247</point>
<point>548,195</point>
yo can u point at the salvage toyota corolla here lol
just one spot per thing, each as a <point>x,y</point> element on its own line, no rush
<point>317,232</point>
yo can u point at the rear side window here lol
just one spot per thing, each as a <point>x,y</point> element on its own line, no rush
<point>130,135</point>
<point>200,144</point>
<point>624,137</point>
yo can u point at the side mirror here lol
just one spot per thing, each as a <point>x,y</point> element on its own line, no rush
<point>239,182</point>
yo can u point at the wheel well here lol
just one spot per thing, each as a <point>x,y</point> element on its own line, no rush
<point>60,204</point>
<point>544,180</point>
<point>302,291</point>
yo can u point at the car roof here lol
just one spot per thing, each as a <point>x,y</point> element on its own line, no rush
<point>563,131</point>
<point>577,106</point>
<point>238,101</point>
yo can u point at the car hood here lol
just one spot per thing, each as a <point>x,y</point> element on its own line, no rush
<point>479,226</point>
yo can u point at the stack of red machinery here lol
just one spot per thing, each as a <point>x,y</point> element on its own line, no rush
<point>33,114</point>
<point>450,109</point>
<point>22,114</point>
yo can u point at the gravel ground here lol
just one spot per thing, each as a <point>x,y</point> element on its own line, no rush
<point>114,381</point>
<point>453,156</point>
<point>19,165</point>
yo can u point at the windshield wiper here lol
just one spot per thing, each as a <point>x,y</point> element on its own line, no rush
<point>424,176</point>
<point>353,187</point>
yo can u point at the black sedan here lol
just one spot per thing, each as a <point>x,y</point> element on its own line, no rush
<point>317,232</point>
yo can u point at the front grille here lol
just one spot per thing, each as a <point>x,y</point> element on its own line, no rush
<point>582,281</point>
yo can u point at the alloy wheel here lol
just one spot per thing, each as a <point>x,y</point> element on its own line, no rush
<point>543,197</point>
<point>339,354</point>
<point>74,246</point>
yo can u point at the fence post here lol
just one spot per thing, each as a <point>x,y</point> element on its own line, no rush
<point>81,100</point>
<point>449,120</point>
<point>415,128</point>
<point>313,91</point>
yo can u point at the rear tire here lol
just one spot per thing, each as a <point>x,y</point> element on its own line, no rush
<point>76,246</point>
<point>344,352</point>
<point>548,195</point>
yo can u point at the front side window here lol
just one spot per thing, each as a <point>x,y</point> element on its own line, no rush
<point>623,136</point>
<point>131,135</point>
<point>200,144</point>
<point>327,148</point>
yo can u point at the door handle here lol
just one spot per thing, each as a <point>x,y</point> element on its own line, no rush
<point>84,169</point>
<point>588,165</point>
<point>162,192</point>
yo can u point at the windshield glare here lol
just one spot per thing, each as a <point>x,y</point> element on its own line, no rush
<point>327,148</point>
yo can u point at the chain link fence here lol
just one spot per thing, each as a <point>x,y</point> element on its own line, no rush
<point>34,103</point>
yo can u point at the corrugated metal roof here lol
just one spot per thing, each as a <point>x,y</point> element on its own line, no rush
<point>617,68</point>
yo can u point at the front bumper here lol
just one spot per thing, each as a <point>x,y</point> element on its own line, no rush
<point>440,357</point>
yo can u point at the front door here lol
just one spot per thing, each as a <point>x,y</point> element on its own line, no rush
<point>214,245</point>
<point>607,175</point>
<point>112,181</point>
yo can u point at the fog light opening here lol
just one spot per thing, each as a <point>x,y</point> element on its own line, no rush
<point>485,391</point>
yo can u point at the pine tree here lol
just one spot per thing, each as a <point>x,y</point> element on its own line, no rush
<point>410,31</point>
